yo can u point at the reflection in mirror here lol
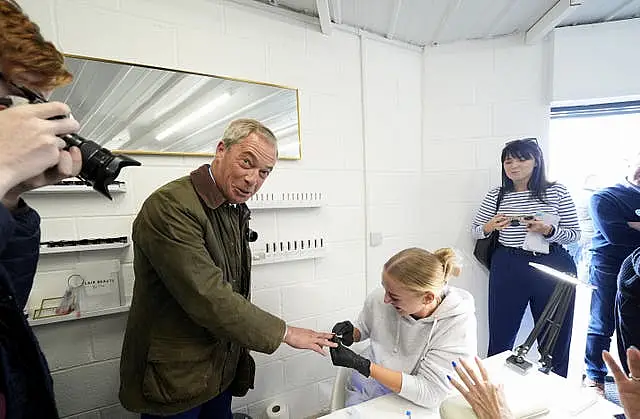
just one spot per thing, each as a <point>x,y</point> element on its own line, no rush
<point>143,110</point>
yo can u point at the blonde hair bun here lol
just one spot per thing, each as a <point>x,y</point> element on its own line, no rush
<point>449,260</point>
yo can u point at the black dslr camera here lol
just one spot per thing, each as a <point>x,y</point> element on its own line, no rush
<point>100,167</point>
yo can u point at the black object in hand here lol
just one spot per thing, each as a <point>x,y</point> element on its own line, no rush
<point>100,167</point>
<point>345,331</point>
<point>345,357</point>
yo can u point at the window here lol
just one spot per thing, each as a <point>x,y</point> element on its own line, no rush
<point>591,145</point>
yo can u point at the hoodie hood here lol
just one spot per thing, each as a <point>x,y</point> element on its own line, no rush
<point>456,302</point>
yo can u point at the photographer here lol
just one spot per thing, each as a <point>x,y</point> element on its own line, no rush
<point>32,156</point>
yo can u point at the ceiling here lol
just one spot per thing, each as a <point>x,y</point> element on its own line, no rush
<point>428,22</point>
<point>130,107</point>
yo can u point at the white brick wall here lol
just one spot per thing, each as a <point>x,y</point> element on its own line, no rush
<point>477,96</point>
<point>393,150</point>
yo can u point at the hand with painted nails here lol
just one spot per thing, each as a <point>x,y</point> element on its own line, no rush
<point>486,399</point>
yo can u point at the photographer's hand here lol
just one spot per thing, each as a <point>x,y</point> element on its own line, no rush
<point>30,146</point>
<point>69,165</point>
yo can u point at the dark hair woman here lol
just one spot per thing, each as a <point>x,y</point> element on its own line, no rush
<point>534,218</point>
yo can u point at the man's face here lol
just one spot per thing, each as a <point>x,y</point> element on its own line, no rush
<point>241,169</point>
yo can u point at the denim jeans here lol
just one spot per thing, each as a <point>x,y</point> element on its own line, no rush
<point>217,408</point>
<point>602,321</point>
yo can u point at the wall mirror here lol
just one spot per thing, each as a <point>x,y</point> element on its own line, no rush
<point>137,109</point>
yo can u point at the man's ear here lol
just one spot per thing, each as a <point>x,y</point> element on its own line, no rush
<point>220,148</point>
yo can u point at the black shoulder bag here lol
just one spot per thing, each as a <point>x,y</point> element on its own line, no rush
<point>485,247</point>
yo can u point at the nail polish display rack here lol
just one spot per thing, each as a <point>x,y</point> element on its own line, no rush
<point>83,245</point>
<point>76,186</point>
<point>265,251</point>
<point>280,200</point>
<point>288,250</point>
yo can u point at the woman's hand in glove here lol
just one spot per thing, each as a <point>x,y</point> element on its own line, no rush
<point>345,357</point>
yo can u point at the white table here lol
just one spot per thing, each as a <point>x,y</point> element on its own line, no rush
<point>564,400</point>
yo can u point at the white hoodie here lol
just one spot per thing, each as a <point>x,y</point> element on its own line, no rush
<point>421,349</point>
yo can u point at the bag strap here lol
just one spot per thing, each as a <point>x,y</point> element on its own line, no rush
<point>499,200</point>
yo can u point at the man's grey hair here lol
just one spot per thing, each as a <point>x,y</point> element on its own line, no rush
<point>240,129</point>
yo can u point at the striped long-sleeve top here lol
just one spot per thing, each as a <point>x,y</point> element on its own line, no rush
<point>514,204</point>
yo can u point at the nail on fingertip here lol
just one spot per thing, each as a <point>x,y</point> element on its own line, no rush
<point>449,377</point>
<point>454,364</point>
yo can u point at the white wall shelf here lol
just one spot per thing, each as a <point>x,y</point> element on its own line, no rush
<point>78,316</point>
<point>281,200</point>
<point>73,189</point>
<point>45,250</point>
<point>286,251</point>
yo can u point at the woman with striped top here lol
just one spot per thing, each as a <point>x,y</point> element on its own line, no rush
<point>527,198</point>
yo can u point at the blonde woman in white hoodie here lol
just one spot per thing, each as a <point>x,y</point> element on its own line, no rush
<point>416,326</point>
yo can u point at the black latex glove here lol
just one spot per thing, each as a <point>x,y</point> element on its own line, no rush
<point>345,357</point>
<point>345,330</point>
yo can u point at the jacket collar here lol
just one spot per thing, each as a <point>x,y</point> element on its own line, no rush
<point>206,187</point>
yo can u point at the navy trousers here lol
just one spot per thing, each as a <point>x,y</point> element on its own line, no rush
<point>602,320</point>
<point>512,285</point>
<point>217,408</point>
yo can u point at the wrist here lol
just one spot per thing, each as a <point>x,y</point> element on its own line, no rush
<point>550,232</point>
<point>363,366</point>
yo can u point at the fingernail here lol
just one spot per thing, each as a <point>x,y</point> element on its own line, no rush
<point>449,377</point>
<point>454,364</point>
<point>633,347</point>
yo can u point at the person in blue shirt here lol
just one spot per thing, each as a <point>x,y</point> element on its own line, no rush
<point>32,155</point>
<point>616,217</point>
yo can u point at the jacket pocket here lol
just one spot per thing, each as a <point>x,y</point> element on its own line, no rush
<point>245,375</point>
<point>177,370</point>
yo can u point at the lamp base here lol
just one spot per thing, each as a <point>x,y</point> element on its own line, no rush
<point>519,364</point>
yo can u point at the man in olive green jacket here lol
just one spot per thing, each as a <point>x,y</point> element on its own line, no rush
<point>191,324</point>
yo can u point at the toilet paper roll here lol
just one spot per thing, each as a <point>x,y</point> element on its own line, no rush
<point>277,410</point>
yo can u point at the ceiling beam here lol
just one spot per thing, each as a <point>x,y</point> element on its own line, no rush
<point>452,6</point>
<point>506,9</point>
<point>337,11</point>
<point>324,16</point>
<point>391,33</point>
<point>550,20</point>
<point>281,12</point>
<point>619,10</point>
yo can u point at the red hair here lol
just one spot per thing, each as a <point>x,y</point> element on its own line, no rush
<point>25,56</point>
